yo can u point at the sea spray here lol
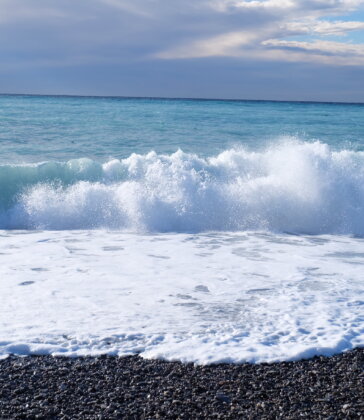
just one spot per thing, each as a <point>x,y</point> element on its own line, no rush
<point>292,186</point>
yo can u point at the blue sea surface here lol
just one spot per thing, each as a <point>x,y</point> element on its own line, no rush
<point>43,128</point>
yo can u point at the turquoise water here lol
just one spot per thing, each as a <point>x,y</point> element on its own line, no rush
<point>156,165</point>
<point>43,128</point>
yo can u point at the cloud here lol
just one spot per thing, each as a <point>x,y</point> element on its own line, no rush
<point>128,6</point>
<point>313,7</point>
<point>266,4</point>
<point>321,47</point>
<point>222,45</point>
<point>52,37</point>
<point>275,22</point>
<point>321,27</point>
<point>12,11</point>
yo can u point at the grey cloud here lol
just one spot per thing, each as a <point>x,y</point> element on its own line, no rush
<point>51,41</point>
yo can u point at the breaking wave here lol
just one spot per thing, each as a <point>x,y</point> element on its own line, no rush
<point>293,187</point>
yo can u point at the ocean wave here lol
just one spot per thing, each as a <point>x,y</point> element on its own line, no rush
<point>293,186</point>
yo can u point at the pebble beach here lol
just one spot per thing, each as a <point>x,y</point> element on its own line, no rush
<point>106,387</point>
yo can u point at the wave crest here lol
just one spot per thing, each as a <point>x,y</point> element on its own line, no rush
<point>292,187</point>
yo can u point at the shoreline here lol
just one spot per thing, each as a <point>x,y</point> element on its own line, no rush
<point>112,387</point>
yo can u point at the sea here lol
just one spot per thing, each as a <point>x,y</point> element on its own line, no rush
<point>203,231</point>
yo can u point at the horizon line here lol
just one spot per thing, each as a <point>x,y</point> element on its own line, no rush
<point>171,98</point>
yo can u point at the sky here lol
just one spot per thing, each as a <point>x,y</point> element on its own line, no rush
<point>238,49</point>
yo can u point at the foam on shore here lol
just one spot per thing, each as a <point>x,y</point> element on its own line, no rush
<point>207,298</point>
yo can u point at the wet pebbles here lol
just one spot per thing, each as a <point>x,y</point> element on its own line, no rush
<point>45,387</point>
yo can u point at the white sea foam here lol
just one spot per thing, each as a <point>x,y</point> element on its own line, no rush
<point>291,187</point>
<point>202,298</point>
<point>154,270</point>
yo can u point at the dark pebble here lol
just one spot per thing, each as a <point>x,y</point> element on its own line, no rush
<point>46,387</point>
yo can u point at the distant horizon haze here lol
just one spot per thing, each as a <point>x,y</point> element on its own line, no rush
<point>173,98</point>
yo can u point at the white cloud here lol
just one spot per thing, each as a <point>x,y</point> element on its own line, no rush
<point>275,21</point>
<point>322,27</point>
<point>309,6</point>
<point>254,4</point>
<point>223,45</point>
<point>177,29</point>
